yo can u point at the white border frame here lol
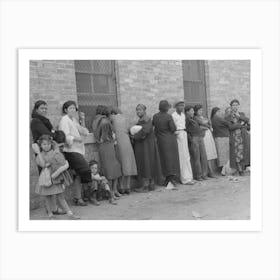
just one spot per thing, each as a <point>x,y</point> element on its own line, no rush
<point>254,55</point>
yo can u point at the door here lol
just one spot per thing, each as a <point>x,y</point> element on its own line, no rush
<point>194,83</point>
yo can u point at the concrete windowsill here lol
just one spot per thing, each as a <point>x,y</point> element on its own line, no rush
<point>89,139</point>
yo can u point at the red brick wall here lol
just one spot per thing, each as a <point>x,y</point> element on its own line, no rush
<point>148,82</point>
<point>227,80</point>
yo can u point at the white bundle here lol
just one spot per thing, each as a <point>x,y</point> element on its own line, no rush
<point>135,129</point>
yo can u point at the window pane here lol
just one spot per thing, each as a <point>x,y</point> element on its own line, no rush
<point>100,84</point>
<point>83,82</point>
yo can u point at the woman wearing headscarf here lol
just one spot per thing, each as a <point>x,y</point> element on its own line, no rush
<point>105,140</point>
<point>167,144</point>
<point>146,151</point>
<point>124,148</point>
<point>73,125</point>
<point>239,139</point>
<point>209,142</point>
<point>41,125</point>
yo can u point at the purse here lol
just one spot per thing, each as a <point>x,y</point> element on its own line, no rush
<point>45,178</point>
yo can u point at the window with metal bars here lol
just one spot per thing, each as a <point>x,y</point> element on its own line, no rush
<point>96,85</point>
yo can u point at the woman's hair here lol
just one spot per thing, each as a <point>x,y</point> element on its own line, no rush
<point>102,110</point>
<point>93,162</point>
<point>196,108</point>
<point>234,101</point>
<point>214,111</point>
<point>68,104</point>
<point>115,111</point>
<point>164,106</point>
<point>188,108</point>
<point>59,137</point>
<point>37,105</point>
<point>105,134</point>
<point>48,138</point>
<point>141,106</point>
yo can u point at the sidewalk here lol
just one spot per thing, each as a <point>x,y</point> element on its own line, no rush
<point>214,199</point>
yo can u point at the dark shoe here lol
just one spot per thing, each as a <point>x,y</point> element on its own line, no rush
<point>122,191</point>
<point>212,176</point>
<point>205,177</point>
<point>79,202</point>
<point>199,179</point>
<point>127,191</point>
<point>59,211</point>
<point>241,173</point>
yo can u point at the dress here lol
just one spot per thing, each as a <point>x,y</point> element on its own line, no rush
<point>239,142</point>
<point>124,148</point>
<point>208,139</point>
<point>103,132</point>
<point>146,151</point>
<point>221,135</point>
<point>186,174</point>
<point>56,160</point>
<point>167,143</point>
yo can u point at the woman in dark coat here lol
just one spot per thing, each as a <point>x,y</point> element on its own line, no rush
<point>146,151</point>
<point>105,139</point>
<point>239,139</point>
<point>167,143</point>
<point>41,125</point>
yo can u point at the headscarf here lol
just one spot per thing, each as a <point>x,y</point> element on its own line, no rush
<point>43,119</point>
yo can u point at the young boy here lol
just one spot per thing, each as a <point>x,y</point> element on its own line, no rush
<point>100,182</point>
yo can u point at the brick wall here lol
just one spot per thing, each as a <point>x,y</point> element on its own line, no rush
<point>53,81</point>
<point>226,80</point>
<point>148,82</point>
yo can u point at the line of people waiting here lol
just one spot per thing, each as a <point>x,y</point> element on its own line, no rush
<point>177,148</point>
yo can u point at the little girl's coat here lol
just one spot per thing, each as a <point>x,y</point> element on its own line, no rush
<point>56,159</point>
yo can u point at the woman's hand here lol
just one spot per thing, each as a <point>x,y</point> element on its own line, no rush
<point>82,118</point>
<point>82,115</point>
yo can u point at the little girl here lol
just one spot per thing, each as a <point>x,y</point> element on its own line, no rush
<point>50,157</point>
<point>100,182</point>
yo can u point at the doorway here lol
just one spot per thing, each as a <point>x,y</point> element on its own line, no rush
<point>194,83</point>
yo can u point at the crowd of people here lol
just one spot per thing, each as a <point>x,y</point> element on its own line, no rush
<point>169,149</point>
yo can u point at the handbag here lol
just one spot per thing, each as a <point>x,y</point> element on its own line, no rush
<point>45,178</point>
